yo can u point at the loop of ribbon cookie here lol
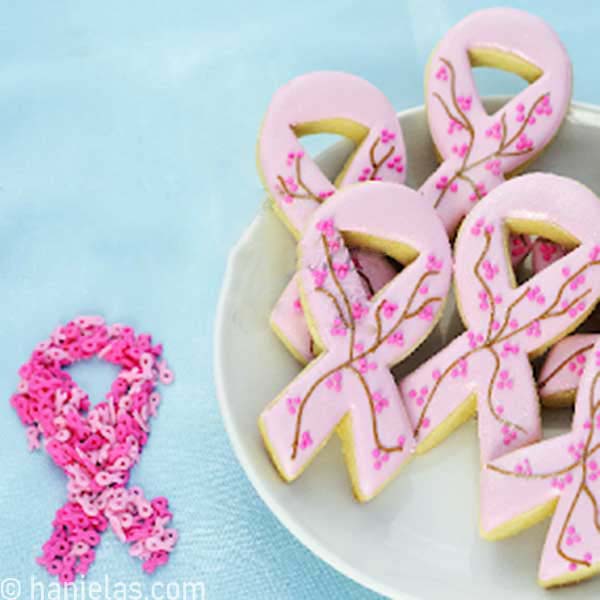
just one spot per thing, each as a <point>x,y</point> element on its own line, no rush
<point>479,149</point>
<point>349,387</point>
<point>97,446</point>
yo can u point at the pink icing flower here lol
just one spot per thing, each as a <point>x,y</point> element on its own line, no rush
<point>380,402</point>
<point>396,339</point>
<point>509,349</point>
<point>453,126</point>
<point>396,163</point>
<point>461,370</point>
<point>505,382</point>
<point>387,136</point>
<point>419,396</point>
<point>341,270</point>
<point>494,131</point>
<point>577,282</point>
<point>319,277</point>
<point>465,102</point>
<point>338,328</point>
<point>483,300</point>
<point>490,270</point>
<point>544,107</point>
<point>365,174</point>
<point>305,440</point>
<point>359,310</point>
<point>334,381</point>
<point>479,192</point>
<point>380,456</point>
<point>524,468</point>
<point>434,263</point>
<point>524,143</point>
<point>326,227</point>
<point>326,194</point>
<point>442,74</point>
<point>478,227</point>
<point>442,182</point>
<point>595,253</point>
<point>534,329</point>
<point>509,435</point>
<point>426,313</point>
<point>535,295</point>
<point>292,404</point>
<point>388,309</point>
<point>364,366</point>
<point>475,339</point>
<point>494,166</point>
<point>460,150</point>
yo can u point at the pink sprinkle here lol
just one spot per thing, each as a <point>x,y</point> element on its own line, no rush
<point>97,446</point>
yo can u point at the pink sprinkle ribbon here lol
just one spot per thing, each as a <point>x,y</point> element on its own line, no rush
<point>97,446</point>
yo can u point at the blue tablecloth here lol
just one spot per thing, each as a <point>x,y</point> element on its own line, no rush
<point>127,172</point>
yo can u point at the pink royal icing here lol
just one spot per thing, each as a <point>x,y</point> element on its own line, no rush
<point>478,149</point>
<point>298,186</point>
<point>564,471</point>
<point>362,338</point>
<point>505,324</point>
<point>562,370</point>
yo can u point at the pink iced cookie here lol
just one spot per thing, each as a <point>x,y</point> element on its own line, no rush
<point>562,370</point>
<point>290,325</point>
<point>480,150</point>
<point>349,387</point>
<point>325,102</point>
<point>487,368</point>
<point>560,476</point>
<point>544,253</point>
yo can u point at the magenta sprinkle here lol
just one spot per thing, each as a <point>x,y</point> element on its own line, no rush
<point>96,446</point>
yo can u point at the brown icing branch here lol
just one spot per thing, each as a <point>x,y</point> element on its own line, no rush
<point>335,302</point>
<point>459,116</point>
<point>490,391</point>
<point>308,193</point>
<point>377,164</point>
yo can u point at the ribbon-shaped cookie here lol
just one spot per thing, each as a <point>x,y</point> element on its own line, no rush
<point>325,102</point>
<point>487,368</point>
<point>349,387</point>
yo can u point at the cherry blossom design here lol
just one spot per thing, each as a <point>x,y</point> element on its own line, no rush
<point>563,470</point>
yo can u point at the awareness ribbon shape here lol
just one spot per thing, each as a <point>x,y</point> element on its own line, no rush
<point>487,368</point>
<point>325,102</point>
<point>97,446</point>
<point>349,386</point>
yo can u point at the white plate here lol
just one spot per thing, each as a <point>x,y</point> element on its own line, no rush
<point>419,538</point>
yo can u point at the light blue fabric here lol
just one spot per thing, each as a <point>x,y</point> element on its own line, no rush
<point>127,172</point>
